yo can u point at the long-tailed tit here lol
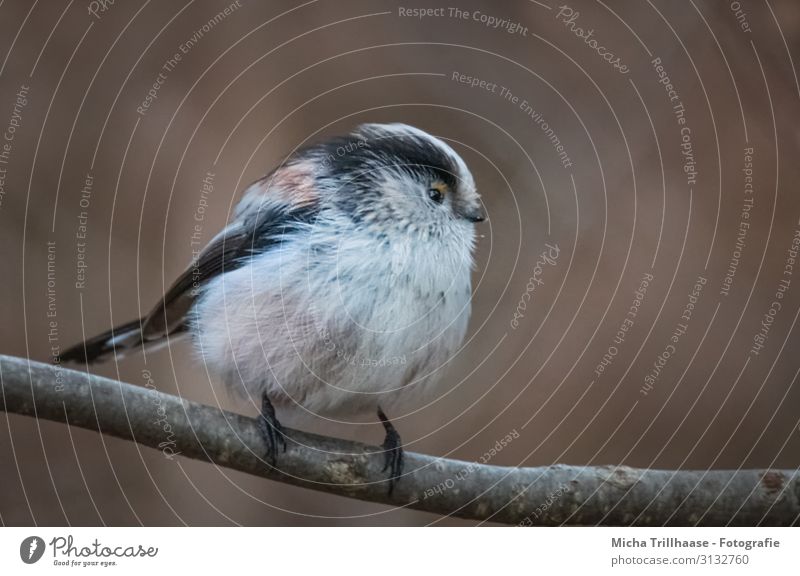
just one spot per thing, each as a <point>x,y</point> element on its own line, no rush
<point>341,284</point>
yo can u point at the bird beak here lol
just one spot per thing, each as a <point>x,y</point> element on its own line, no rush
<point>475,215</point>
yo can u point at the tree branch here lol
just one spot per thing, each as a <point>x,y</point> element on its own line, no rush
<point>553,495</point>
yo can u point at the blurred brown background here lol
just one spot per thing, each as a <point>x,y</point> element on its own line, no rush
<point>268,76</point>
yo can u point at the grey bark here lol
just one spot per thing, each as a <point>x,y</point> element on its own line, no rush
<point>545,496</point>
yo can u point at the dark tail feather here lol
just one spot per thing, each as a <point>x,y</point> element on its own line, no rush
<point>122,338</point>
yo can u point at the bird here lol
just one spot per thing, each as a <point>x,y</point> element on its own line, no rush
<point>340,286</point>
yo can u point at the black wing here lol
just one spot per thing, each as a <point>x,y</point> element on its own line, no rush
<point>255,232</point>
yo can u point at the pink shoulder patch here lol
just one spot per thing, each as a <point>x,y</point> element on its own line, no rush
<point>294,183</point>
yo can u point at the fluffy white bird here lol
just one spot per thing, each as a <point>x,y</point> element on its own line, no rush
<point>341,284</point>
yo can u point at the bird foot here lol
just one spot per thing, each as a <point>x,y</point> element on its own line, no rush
<point>393,452</point>
<point>271,431</point>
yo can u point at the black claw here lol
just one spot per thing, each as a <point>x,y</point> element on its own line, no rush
<point>393,452</point>
<point>271,430</point>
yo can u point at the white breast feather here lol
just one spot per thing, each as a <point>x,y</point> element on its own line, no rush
<point>334,323</point>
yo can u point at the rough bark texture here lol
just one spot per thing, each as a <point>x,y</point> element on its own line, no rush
<point>553,495</point>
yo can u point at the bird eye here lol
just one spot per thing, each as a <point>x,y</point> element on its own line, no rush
<point>435,195</point>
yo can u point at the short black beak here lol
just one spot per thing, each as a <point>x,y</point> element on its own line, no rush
<point>477,216</point>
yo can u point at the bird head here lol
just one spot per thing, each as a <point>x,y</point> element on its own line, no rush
<point>395,176</point>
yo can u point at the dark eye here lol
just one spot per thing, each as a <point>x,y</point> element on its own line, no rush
<point>435,195</point>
